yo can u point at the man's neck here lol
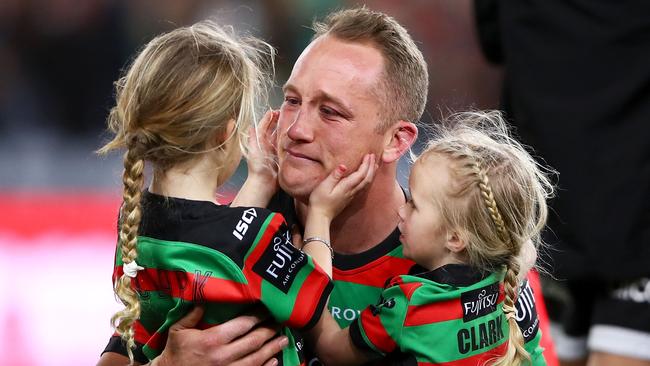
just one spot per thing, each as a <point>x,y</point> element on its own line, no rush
<point>367,220</point>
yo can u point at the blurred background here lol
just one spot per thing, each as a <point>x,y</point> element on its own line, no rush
<point>59,200</point>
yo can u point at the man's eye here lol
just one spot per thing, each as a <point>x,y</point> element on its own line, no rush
<point>292,101</point>
<point>329,111</point>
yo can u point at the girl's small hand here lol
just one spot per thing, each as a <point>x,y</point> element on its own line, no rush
<point>262,157</point>
<point>337,190</point>
<point>262,181</point>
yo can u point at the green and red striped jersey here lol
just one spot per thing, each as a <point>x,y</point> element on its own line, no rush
<point>231,259</point>
<point>449,316</point>
<point>359,279</point>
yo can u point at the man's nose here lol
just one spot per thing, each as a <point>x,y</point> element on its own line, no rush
<point>300,128</point>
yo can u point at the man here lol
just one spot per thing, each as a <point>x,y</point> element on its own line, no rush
<point>359,87</point>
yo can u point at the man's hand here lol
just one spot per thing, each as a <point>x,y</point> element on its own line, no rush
<point>240,342</point>
<point>237,342</point>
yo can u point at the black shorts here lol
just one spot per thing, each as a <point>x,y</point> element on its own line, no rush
<point>613,318</point>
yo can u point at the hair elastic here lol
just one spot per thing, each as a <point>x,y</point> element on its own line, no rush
<point>131,269</point>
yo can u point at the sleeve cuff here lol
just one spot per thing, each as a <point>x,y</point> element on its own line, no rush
<point>320,307</point>
<point>357,338</point>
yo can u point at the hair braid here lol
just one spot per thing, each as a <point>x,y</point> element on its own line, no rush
<point>130,215</point>
<point>515,353</point>
<point>491,204</point>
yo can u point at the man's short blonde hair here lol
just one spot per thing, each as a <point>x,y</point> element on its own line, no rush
<point>406,80</point>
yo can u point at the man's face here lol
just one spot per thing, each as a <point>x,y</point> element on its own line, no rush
<point>330,113</point>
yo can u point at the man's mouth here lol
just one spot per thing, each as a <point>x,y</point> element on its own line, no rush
<point>298,155</point>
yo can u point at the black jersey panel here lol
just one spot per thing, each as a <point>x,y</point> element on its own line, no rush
<point>230,230</point>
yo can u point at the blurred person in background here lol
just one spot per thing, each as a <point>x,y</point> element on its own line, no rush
<point>64,57</point>
<point>577,85</point>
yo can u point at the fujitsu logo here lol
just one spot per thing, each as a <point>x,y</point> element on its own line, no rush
<point>525,303</point>
<point>484,301</point>
<point>280,262</point>
<point>526,312</point>
<point>479,302</point>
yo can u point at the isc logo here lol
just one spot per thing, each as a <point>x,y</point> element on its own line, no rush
<point>242,226</point>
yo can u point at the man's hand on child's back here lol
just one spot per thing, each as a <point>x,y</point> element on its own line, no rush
<point>240,341</point>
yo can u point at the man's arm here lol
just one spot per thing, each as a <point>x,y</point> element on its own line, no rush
<point>240,342</point>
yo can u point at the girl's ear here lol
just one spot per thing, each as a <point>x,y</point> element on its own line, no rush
<point>220,138</point>
<point>455,243</point>
<point>398,139</point>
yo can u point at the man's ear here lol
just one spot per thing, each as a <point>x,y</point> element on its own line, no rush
<point>455,242</point>
<point>399,138</point>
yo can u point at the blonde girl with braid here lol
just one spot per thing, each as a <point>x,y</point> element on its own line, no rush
<point>486,200</point>
<point>477,206</point>
<point>185,107</point>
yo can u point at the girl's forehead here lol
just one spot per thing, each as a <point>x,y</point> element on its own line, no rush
<point>430,163</point>
<point>430,172</point>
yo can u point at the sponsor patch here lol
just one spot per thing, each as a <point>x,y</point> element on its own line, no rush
<point>281,262</point>
<point>479,302</point>
<point>526,315</point>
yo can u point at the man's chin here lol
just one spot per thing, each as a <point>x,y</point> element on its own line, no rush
<point>300,189</point>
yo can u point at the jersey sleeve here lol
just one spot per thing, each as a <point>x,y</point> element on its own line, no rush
<point>379,326</point>
<point>286,280</point>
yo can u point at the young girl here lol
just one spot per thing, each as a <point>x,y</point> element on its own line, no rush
<point>184,106</point>
<point>477,197</point>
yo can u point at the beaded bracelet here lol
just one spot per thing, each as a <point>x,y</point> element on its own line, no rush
<point>315,238</point>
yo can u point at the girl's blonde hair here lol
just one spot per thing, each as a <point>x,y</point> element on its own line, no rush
<point>496,201</point>
<point>175,99</point>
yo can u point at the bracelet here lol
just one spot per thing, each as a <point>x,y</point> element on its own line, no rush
<point>315,238</point>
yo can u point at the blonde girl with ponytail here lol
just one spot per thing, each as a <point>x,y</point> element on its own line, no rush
<point>184,107</point>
